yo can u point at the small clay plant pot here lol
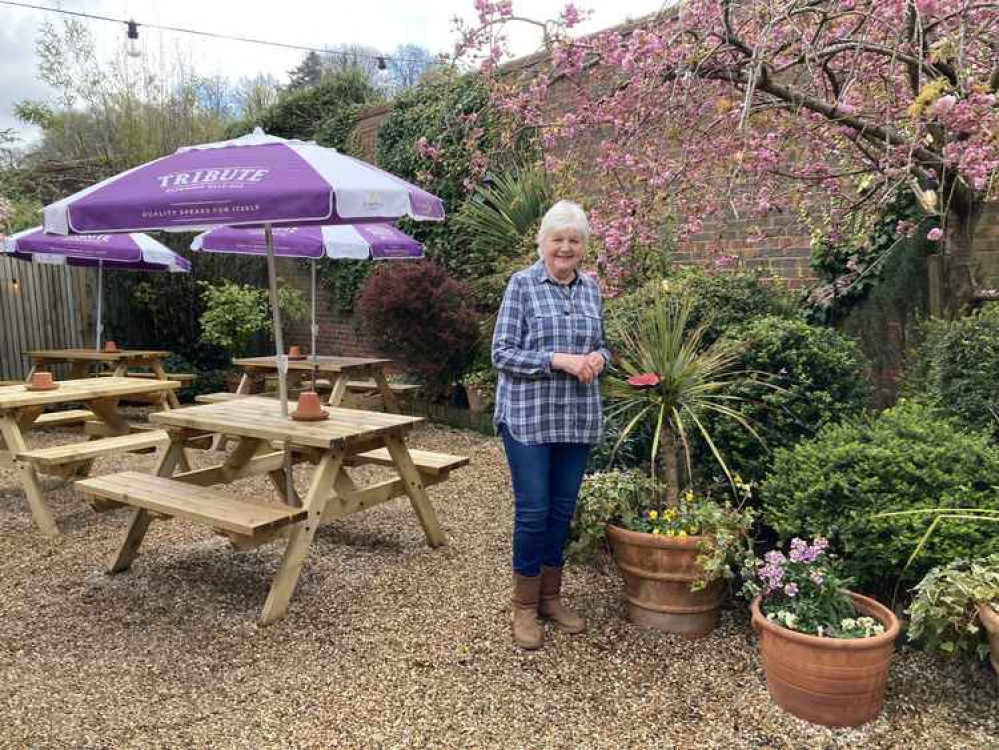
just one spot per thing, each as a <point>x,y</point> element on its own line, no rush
<point>110,346</point>
<point>309,409</point>
<point>41,381</point>
<point>295,353</point>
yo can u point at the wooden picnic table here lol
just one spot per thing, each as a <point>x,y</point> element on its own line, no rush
<point>338,370</point>
<point>119,361</point>
<point>348,438</point>
<point>20,408</point>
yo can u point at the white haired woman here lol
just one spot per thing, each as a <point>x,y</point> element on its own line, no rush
<point>549,352</point>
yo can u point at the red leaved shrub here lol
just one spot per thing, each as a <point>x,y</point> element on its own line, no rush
<point>417,313</point>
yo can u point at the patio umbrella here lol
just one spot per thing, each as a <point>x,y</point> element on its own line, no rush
<point>254,180</point>
<point>125,252</point>
<point>342,241</point>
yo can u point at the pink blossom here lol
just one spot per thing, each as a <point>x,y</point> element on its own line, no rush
<point>944,104</point>
<point>934,234</point>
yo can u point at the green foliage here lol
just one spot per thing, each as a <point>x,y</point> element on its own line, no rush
<point>719,300</point>
<point>687,381</point>
<point>449,112</point>
<point>944,612</point>
<point>325,113</point>
<point>850,269</point>
<point>235,313</point>
<point>820,381</point>
<point>500,223</point>
<point>906,458</point>
<point>342,280</point>
<point>957,367</point>
<point>605,497</point>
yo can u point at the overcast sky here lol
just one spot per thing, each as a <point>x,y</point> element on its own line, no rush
<point>383,24</point>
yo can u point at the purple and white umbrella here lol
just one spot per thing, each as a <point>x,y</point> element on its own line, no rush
<point>343,241</point>
<point>254,180</point>
<point>124,252</point>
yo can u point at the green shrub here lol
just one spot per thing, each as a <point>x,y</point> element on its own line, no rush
<point>905,458</point>
<point>956,366</point>
<point>819,380</point>
<point>720,300</point>
<point>235,313</point>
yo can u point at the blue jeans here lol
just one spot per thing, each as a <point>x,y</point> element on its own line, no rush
<point>546,481</point>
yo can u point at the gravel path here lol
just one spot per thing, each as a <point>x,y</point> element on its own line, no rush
<point>387,643</point>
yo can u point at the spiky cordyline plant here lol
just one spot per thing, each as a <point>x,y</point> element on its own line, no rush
<point>690,379</point>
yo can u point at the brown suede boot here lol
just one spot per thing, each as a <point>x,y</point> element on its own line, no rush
<point>551,608</point>
<point>527,631</point>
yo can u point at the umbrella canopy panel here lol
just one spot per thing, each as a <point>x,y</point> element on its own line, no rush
<point>356,242</point>
<point>121,252</point>
<point>252,180</point>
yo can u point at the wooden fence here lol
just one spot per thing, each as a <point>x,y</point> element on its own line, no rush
<point>42,307</point>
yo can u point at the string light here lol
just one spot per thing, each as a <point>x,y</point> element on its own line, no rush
<point>380,59</point>
<point>132,44</point>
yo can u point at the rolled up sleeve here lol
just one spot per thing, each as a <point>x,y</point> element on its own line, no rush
<point>508,353</point>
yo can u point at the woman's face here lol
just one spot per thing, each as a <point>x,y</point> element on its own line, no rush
<point>562,251</point>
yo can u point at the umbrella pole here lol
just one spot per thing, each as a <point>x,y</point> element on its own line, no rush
<point>282,360</point>
<point>314,329</point>
<point>99,326</point>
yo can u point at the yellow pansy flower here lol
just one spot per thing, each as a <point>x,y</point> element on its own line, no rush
<point>653,514</point>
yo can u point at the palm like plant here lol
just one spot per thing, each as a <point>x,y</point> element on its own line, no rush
<point>667,375</point>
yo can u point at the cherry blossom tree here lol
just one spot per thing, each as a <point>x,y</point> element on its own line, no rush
<point>816,111</point>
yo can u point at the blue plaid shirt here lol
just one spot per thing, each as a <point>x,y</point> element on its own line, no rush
<point>539,318</point>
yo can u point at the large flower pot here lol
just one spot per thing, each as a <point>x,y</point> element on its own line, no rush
<point>658,572</point>
<point>479,398</point>
<point>990,621</point>
<point>838,682</point>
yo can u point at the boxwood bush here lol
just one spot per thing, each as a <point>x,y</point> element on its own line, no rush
<point>905,458</point>
<point>957,367</point>
<point>817,377</point>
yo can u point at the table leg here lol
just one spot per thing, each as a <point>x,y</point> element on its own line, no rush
<point>245,386</point>
<point>139,525</point>
<point>78,370</point>
<point>320,492</point>
<point>106,410</point>
<point>338,383</point>
<point>415,489</point>
<point>27,476</point>
<point>389,400</point>
<point>171,398</point>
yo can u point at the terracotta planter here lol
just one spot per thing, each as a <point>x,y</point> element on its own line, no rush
<point>658,572</point>
<point>990,621</point>
<point>831,681</point>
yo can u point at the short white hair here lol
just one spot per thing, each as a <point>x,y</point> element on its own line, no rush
<point>563,215</point>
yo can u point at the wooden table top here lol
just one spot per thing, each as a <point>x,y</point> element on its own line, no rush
<point>324,364</point>
<point>260,417</point>
<point>83,389</point>
<point>92,355</point>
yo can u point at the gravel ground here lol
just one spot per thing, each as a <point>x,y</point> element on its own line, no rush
<point>387,643</point>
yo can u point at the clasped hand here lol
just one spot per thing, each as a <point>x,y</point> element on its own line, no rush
<point>583,367</point>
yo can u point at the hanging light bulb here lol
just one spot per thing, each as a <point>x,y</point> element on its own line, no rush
<point>132,47</point>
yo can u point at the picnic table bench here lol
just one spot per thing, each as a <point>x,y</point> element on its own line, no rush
<point>348,438</point>
<point>20,408</point>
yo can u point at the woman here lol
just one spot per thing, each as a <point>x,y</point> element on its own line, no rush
<point>548,350</point>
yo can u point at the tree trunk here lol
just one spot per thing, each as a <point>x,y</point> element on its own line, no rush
<point>670,465</point>
<point>959,243</point>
